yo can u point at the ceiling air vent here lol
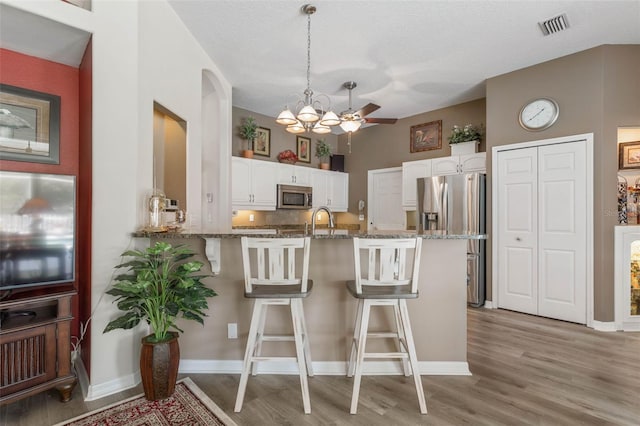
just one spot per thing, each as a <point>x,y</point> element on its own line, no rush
<point>554,25</point>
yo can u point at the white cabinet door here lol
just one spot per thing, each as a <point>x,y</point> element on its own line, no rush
<point>518,230</point>
<point>457,164</point>
<point>240,181</point>
<point>561,235</point>
<point>320,185</point>
<point>473,162</point>
<point>263,184</point>
<point>293,175</point>
<point>330,189</point>
<point>339,191</point>
<point>542,228</point>
<point>384,189</point>
<point>411,171</point>
<point>445,166</point>
<point>253,184</point>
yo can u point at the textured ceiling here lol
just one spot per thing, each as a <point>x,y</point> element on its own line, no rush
<point>406,56</point>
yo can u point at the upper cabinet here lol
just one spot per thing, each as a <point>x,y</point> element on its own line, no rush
<point>457,164</point>
<point>294,175</point>
<point>253,184</point>
<point>411,171</point>
<point>330,189</point>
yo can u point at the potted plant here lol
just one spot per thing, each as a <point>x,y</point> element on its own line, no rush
<point>248,132</point>
<point>159,286</point>
<point>464,140</point>
<point>323,152</point>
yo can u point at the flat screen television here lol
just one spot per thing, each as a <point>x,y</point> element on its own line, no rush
<point>37,229</point>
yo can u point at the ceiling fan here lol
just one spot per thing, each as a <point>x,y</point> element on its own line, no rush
<point>351,120</point>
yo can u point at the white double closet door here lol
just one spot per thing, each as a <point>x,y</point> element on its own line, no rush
<point>542,228</point>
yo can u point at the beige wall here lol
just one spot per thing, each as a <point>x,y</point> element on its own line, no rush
<point>598,90</point>
<point>280,138</point>
<point>383,146</point>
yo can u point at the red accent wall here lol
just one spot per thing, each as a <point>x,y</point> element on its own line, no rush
<point>33,73</point>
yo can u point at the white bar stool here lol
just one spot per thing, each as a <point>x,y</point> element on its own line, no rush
<point>382,279</point>
<point>270,279</point>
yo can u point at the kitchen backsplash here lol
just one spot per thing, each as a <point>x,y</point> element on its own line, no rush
<point>280,217</point>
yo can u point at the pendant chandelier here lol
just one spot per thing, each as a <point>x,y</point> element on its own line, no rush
<point>311,114</point>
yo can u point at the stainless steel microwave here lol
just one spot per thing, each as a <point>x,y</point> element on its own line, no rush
<point>295,197</point>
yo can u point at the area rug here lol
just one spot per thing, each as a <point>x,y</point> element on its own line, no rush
<point>187,406</point>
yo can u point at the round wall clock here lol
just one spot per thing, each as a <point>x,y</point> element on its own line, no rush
<point>538,114</point>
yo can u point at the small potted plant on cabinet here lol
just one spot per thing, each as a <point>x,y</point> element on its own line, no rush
<point>248,132</point>
<point>160,285</point>
<point>465,140</point>
<point>323,152</point>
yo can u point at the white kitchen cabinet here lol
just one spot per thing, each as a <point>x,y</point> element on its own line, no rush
<point>411,171</point>
<point>330,189</point>
<point>294,175</point>
<point>253,184</point>
<point>457,164</point>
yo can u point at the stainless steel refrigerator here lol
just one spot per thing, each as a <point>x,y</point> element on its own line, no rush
<point>456,204</point>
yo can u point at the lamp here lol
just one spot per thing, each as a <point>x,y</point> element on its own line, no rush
<point>311,114</point>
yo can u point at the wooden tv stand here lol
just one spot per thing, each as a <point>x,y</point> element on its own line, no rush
<point>35,346</point>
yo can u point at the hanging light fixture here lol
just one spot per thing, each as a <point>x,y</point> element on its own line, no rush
<point>311,114</point>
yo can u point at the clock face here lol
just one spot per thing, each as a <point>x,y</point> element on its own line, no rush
<point>539,114</point>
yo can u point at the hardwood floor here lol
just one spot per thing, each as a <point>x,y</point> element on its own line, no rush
<point>526,370</point>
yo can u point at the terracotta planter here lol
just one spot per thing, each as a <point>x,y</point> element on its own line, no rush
<point>247,153</point>
<point>159,367</point>
<point>324,166</point>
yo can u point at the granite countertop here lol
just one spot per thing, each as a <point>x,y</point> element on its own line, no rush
<point>323,233</point>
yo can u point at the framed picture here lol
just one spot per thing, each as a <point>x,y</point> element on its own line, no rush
<point>29,125</point>
<point>629,155</point>
<point>426,136</point>
<point>303,149</point>
<point>262,144</point>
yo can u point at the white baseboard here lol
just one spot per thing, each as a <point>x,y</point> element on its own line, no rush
<point>120,384</point>
<point>323,368</point>
<point>488,304</point>
<point>604,326</point>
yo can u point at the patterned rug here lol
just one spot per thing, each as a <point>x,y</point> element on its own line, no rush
<point>187,406</point>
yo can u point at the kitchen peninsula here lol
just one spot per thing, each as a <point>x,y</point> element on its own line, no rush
<point>438,316</point>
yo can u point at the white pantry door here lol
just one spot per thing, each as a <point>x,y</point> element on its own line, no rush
<point>385,199</point>
<point>542,229</point>
<point>562,253</point>
<point>518,230</point>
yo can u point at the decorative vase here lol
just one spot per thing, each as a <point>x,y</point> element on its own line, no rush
<point>324,166</point>
<point>159,363</point>
<point>462,148</point>
<point>247,153</point>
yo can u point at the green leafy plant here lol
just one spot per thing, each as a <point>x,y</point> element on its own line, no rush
<point>465,134</point>
<point>249,130</point>
<point>159,286</point>
<point>323,149</point>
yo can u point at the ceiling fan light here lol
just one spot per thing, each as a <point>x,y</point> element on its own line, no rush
<point>321,129</point>
<point>295,128</point>
<point>286,117</point>
<point>350,125</point>
<point>330,119</point>
<point>308,114</point>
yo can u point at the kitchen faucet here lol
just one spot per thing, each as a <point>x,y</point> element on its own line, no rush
<point>315,214</point>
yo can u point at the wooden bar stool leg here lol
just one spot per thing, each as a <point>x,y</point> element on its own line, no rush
<point>258,350</point>
<point>413,357</point>
<point>362,343</point>
<point>296,311</point>
<point>248,355</point>
<point>307,344</point>
<point>356,333</point>
<point>402,338</point>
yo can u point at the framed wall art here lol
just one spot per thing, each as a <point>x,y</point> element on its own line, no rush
<point>426,136</point>
<point>29,125</point>
<point>629,155</point>
<point>303,149</point>
<point>262,144</point>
